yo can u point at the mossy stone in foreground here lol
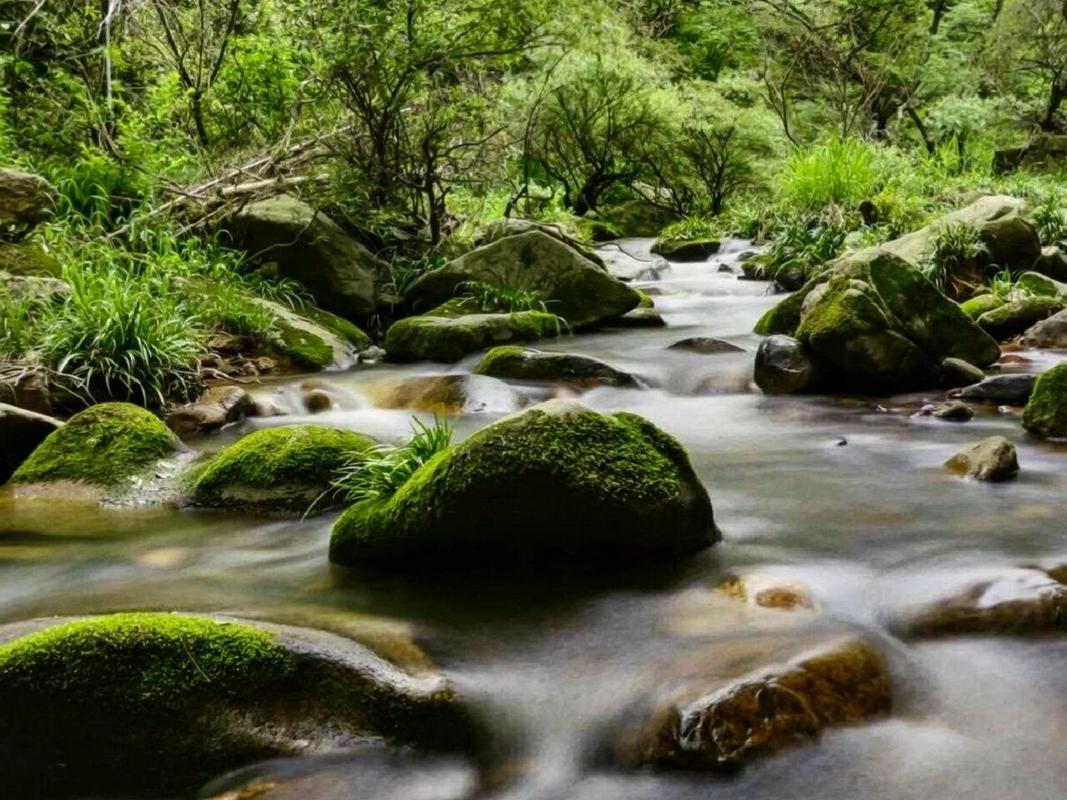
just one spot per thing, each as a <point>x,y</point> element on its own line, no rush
<point>557,482</point>
<point>154,704</point>
<point>102,446</point>
<point>1046,412</point>
<point>278,469</point>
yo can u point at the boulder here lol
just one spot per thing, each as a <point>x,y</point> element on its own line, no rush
<point>955,372</point>
<point>706,345</point>
<point>717,716</point>
<point>1037,284</point>
<point>555,483</point>
<point>643,317</point>
<point>285,469</point>
<point>1052,263</point>
<point>154,704</point>
<point>638,217</point>
<point>25,386</point>
<point>22,432</point>
<point>457,393</point>
<point>1012,389</point>
<point>993,459</point>
<point>573,287</point>
<point>503,228</point>
<point>313,339</point>
<point>310,248</point>
<point>1043,151</point>
<point>784,366</point>
<point>218,406</point>
<point>1045,414</point>
<point>686,250</point>
<point>455,329</point>
<point>1049,333</point>
<point>523,364</point>
<point>26,200</point>
<point>1025,601</point>
<point>980,304</point>
<point>953,411</point>
<point>103,447</point>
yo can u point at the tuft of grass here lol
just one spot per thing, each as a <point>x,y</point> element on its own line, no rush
<point>956,248</point>
<point>840,172</point>
<point>1002,285</point>
<point>380,473</point>
<point>493,298</point>
<point>1051,220</point>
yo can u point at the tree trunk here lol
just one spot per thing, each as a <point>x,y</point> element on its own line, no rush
<point>196,105</point>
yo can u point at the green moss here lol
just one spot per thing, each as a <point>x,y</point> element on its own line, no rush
<point>517,363</point>
<point>303,347</point>
<point>437,337</point>
<point>28,259</point>
<point>141,663</point>
<point>785,317</point>
<point>101,446</point>
<point>1037,284</point>
<point>548,481</point>
<point>646,300</point>
<point>339,326</point>
<point>1015,317</point>
<point>977,306</point>
<point>292,464</point>
<point>1046,412</point>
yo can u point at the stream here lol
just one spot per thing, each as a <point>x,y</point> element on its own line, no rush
<point>845,496</point>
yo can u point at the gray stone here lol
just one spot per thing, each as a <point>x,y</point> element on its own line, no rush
<point>955,372</point>
<point>1049,333</point>
<point>1012,389</point>
<point>992,459</point>
<point>784,366</point>
<point>706,345</point>
<point>953,411</point>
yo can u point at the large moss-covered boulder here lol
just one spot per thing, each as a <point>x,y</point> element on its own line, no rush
<point>638,217</point>
<point>1046,411</point>
<point>102,447</point>
<point>525,364</point>
<point>577,289</point>
<point>555,483</point>
<point>21,432</point>
<point>278,469</point>
<point>457,328</point>
<point>26,200</point>
<point>1018,315</point>
<point>310,248</point>
<point>751,697</point>
<point>874,321</point>
<point>568,234</point>
<point>155,704</point>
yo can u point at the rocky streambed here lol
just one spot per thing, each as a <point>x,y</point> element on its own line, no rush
<point>870,624</point>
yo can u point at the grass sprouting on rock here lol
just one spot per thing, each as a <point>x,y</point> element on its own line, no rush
<point>102,446</point>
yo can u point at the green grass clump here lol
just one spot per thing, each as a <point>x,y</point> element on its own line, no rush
<point>1050,217</point>
<point>956,248</point>
<point>141,663</point>
<point>101,446</point>
<point>386,469</point>
<point>841,172</point>
<point>502,299</point>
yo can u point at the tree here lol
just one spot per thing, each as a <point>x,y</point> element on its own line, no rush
<point>1029,59</point>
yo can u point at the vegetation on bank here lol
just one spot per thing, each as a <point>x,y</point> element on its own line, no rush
<point>820,126</point>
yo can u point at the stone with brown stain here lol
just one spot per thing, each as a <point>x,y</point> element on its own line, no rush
<point>445,394</point>
<point>218,406</point>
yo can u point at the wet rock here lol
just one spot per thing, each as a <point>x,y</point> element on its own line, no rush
<point>1052,262</point>
<point>716,716</point>
<point>524,364</point>
<point>953,411</point>
<point>706,345</point>
<point>308,247</point>
<point>956,373</point>
<point>21,432</point>
<point>1046,412</point>
<point>1011,389</point>
<point>992,459</point>
<point>25,387</point>
<point>577,289</point>
<point>446,394</point>
<point>218,406</point>
<point>980,304</point>
<point>286,469</point>
<point>784,366</point>
<point>155,704</point>
<point>1024,602</point>
<point>555,483</point>
<point>1017,316</point>
<point>1049,333</point>
<point>687,250</point>
<point>26,201</point>
<point>105,447</point>
<point>639,318</point>
<point>454,330</point>
<point>316,400</point>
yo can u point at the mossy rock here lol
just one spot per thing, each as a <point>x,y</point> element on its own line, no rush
<point>556,483</point>
<point>1017,316</point>
<point>1037,284</point>
<point>442,335</point>
<point>577,289</point>
<point>155,704</point>
<point>686,250</point>
<point>278,469</point>
<point>1046,412</point>
<point>524,364</point>
<point>26,259</point>
<point>980,304</point>
<point>103,447</point>
<point>306,349</point>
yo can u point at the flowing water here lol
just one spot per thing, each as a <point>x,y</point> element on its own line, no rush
<point>846,496</point>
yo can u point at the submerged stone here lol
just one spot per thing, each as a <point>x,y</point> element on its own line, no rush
<point>555,483</point>
<point>706,345</point>
<point>524,364</point>
<point>1046,412</point>
<point>1012,389</point>
<point>457,393</point>
<point>155,704</point>
<point>278,469</point>
<point>992,459</point>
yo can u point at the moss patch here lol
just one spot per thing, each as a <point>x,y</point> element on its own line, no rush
<point>101,446</point>
<point>555,480</point>
<point>303,347</point>
<point>29,260</point>
<point>339,326</point>
<point>977,306</point>
<point>290,466</point>
<point>1046,412</point>
<point>447,334</point>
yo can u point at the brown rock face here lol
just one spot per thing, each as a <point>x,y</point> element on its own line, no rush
<point>219,405</point>
<point>718,723</point>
